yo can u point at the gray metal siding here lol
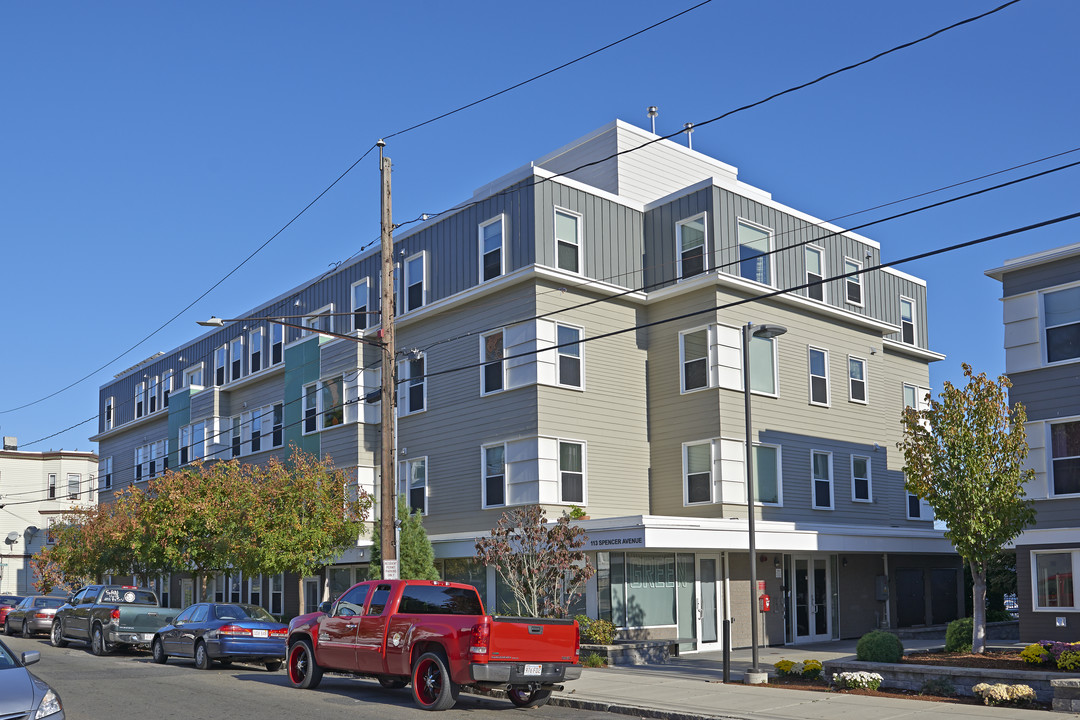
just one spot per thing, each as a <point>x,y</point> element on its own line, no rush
<point>1048,393</point>
<point>661,253</point>
<point>122,449</point>
<point>1058,513</point>
<point>611,234</point>
<point>1051,274</point>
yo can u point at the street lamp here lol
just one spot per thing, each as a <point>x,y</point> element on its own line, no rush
<point>754,675</point>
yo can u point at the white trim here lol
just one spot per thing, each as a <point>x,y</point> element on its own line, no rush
<point>407,281</point>
<point>911,350</point>
<point>502,220</point>
<point>903,275</point>
<point>810,350</point>
<point>1074,556</point>
<point>686,475</point>
<point>406,384</point>
<point>914,320</point>
<point>221,354</point>
<point>707,329</point>
<point>854,279</point>
<point>1044,257</point>
<point>869,480</point>
<point>186,376</point>
<point>366,282</point>
<point>233,375</point>
<point>484,476</point>
<point>584,470</point>
<point>559,353</point>
<point>705,254</point>
<point>814,480</point>
<point>771,240</point>
<point>774,342</point>
<point>308,331</point>
<point>1048,445</point>
<point>865,380</point>
<point>556,210</point>
<point>824,286</point>
<point>484,392</point>
<point>263,355</point>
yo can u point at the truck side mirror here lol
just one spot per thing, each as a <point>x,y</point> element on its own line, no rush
<point>324,607</point>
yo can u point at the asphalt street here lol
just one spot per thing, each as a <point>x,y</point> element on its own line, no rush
<point>128,685</point>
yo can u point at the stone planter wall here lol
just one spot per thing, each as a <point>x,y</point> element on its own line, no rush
<point>645,652</point>
<point>912,677</point>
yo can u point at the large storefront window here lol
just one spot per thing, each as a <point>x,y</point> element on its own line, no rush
<point>642,589</point>
<point>1053,580</point>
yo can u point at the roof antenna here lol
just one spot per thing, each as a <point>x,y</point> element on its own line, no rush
<point>653,112</point>
<point>688,128</point>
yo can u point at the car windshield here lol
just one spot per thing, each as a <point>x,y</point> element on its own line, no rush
<point>48,602</point>
<point>7,660</point>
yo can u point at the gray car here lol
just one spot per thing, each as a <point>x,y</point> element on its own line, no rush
<point>21,694</point>
<point>33,614</point>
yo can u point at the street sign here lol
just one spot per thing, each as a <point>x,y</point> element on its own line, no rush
<point>390,569</point>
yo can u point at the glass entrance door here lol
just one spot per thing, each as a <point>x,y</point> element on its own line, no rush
<point>708,602</point>
<point>812,619</point>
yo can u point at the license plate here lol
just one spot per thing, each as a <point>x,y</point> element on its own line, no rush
<point>260,633</point>
<point>534,669</point>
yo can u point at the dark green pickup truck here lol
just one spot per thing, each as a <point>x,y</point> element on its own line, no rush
<point>110,616</point>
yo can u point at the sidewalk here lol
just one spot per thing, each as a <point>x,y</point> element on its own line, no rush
<point>691,687</point>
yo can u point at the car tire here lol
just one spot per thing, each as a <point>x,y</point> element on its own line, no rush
<point>26,630</point>
<point>525,698</point>
<point>56,635</point>
<point>273,665</point>
<point>392,682</point>
<point>98,645</point>
<point>202,658</point>
<point>432,687</point>
<point>304,672</point>
<point>157,651</point>
<point>7,626</point>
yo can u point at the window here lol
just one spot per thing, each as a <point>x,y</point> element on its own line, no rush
<point>1065,450</point>
<point>166,387</point>
<point>821,474</point>
<point>1061,317</point>
<point>165,455</point>
<point>415,282</point>
<point>256,338</point>
<point>193,375</point>
<point>767,475</point>
<point>277,343</point>
<point>754,263</point>
<point>161,585</point>
<point>494,475</point>
<point>493,372</point>
<point>277,594</point>
<point>860,479</point>
<point>278,420</point>
<point>74,480</point>
<point>853,283</point>
<point>105,474</point>
<point>140,399</point>
<point>255,594</point>
<point>414,484</point>
<point>572,472</point>
<point>155,458</point>
<point>221,360</point>
<point>236,353</point>
<point>109,415</point>
<point>416,388</point>
<point>856,379</point>
<point>815,273</point>
<point>153,394</point>
<point>907,320</point>
<point>361,303</point>
<point>918,509</point>
<point>52,486</point>
<point>324,404</point>
<point>819,376</point>
<point>191,442</point>
<point>690,237</point>
<point>763,365</point>
<point>50,532</point>
<point>567,241</point>
<point>491,249</point>
<point>322,319</point>
<point>1052,576</point>
<point>695,359</point>
<point>569,354</point>
<point>235,436</point>
<point>697,464</point>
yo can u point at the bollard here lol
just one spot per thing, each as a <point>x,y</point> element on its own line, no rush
<point>727,650</point>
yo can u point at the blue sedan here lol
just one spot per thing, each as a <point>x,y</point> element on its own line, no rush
<point>222,632</point>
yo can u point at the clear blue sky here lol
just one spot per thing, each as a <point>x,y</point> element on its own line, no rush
<point>149,147</point>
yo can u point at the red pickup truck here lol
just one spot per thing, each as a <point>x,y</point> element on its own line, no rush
<point>434,635</point>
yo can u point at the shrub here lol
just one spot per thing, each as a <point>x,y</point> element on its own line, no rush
<point>958,635</point>
<point>784,667</point>
<point>997,615</point>
<point>942,686</point>
<point>1069,660</point>
<point>1002,694</point>
<point>592,660</point>
<point>1036,654</point>
<point>595,632</point>
<point>879,646</point>
<point>811,669</point>
<point>867,680</point>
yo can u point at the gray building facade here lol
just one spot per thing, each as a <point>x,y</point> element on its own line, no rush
<point>575,340</point>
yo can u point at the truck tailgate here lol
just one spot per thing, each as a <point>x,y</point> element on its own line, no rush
<point>145,620</point>
<point>533,640</point>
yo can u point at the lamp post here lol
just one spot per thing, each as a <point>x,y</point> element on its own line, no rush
<point>754,675</point>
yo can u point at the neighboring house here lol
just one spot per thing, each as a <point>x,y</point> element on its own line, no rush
<point>36,489</point>
<point>641,428</point>
<point>1041,311</point>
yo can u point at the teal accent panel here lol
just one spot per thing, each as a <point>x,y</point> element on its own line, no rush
<point>301,368</point>
<point>179,416</point>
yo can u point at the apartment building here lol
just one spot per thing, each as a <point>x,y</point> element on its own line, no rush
<point>1041,313</point>
<point>571,336</point>
<point>36,489</point>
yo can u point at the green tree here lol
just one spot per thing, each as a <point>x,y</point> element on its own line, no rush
<point>416,557</point>
<point>542,563</point>
<point>964,456</point>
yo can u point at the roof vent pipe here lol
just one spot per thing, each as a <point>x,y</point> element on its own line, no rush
<point>653,112</point>
<point>688,128</point>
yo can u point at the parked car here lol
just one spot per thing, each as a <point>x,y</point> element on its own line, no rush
<point>22,695</point>
<point>435,635</point>
<point>6,603</point>
<point>33,615</point>
<point>110,616</point>
<point>223,632</point>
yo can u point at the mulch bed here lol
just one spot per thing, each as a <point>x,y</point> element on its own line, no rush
<point>1008,660</point>
<point>798,683</point>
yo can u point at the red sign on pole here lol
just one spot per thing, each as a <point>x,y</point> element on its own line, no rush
<point>761,586</point>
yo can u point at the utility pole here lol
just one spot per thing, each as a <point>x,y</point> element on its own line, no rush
<point>387,499</point>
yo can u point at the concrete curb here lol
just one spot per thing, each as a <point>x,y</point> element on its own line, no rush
<point>608,707</point>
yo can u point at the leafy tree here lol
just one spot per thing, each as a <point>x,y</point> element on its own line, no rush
<point>416,557</point>
<point>964,456</point>
<point>542,563</point>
